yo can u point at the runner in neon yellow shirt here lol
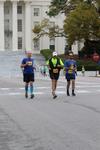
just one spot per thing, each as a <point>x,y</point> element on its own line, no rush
<point>54,64</point>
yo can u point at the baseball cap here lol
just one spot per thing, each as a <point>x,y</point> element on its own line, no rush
<point>54,53</point>
<point>71,54</point>
<point>29,52</point>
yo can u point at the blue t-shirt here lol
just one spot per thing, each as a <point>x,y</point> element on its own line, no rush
<point>70,66</point>
<point>29,69</point>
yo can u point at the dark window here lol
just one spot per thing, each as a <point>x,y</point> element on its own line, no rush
<point>6,9</point>
<point>36,11</point>
<point>36,44</point>
<point>19,42</point>
<point>19,25</point>
<point>19,9</point>
<point>52,43</point>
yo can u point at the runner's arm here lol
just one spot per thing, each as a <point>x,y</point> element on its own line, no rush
<point>66,67</point>
<point>47,64</point>
<point>61,64</point>
<point>23,64</point>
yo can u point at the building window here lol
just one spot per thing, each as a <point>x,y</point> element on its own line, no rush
<point>6,10</point>
<point>7,24</point>
<point>19,42</point>
<point>52,43</point>
<point>36,11</point>
<point>36,23</point>
<point>19,9</point>
<point>19,25</point>
<point>52,40</point>
<point>36,44</point>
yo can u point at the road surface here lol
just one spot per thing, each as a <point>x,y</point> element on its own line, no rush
<point>66,123</point>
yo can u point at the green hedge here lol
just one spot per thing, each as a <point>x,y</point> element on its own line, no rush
<point>47,53</point>
<point>88,64</point>
<point>88,67</point>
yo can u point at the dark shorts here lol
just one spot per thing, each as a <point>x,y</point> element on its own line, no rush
<point>54,76</point>
<point>70,77</point>
<point>28,77</point>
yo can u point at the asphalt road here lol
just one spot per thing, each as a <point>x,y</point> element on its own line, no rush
<point>67,123</point>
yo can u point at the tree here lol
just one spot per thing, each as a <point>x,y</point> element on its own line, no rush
<point>66,6</point>
<point>82,23</point>
<point>45,28</point>
<point>61,6</point>
<point>82,20</point>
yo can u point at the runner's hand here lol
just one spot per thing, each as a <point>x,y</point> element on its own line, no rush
<point>58,65</point>
<point>26,63</point>
<point>49,68</point>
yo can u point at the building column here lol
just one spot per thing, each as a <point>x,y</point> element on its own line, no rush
<point>2,26</point>
<point>14,26</point>
<point>28,30</point>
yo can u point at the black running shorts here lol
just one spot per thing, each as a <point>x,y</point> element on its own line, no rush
<point>54,76</point>
<point>28,77</point>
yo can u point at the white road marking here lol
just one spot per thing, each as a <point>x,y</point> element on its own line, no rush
<point>15,93</point>
<point>61,92</point>
<point>88,86</point>
<point>3,89</point>
<point>83,91</point>
<point>49,87</point>
<point>88,83</point>
<point>18,93</point>
<point>47,93</point>
<point>21,88</point>
<point>98,90</point>
<point>39,93</point>
<point>81,88</point>
<point>64,87</point>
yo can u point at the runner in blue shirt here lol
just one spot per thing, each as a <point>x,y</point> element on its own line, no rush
<point>28,73</point>
<point>70,73</point>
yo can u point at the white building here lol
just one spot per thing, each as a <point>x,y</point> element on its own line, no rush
<point>18,17</point>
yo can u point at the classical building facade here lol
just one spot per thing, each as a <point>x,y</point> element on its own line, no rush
<point>18,17</point>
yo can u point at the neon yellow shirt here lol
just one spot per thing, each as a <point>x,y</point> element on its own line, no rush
<point>54,61</point>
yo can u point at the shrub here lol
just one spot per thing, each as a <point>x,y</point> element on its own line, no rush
<point>47,53</point>
<point>88,64</point>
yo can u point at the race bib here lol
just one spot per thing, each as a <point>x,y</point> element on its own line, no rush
<point>55,70</point>
<point>70,71</point>
<point>30,63</point>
